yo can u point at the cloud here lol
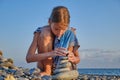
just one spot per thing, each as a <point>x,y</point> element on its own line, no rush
<point>99,58</point>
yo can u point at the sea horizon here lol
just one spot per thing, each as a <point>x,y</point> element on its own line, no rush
<point>100,71</point>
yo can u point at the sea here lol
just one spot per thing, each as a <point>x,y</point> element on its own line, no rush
<point>100,71</point>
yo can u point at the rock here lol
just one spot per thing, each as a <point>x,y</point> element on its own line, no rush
<point>2,59</point>
<point>6,64</point>
<point>34,71</point>
<point>64,65</point>
<point>64,58</point>
<point>68,75</point>
<point>10,60</point>
<point>61,70</point>
<point>46,77</point>
<point>19,73</point>
<point>1,78</point>
<point>1,54</point>
<point>22,78</point>
<point>63,61</point>
<point>118,78</point>
<point>10,77</point>
<point>85,77</point>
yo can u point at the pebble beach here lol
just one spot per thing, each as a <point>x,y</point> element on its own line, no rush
<point>8,71</point>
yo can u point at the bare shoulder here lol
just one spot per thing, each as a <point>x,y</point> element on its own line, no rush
<point>36,35</point>
<point>46,28</point>
<point>73,30</point>
<point>46,31</point>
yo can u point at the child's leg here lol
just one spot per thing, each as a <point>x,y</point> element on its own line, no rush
<point>45,45</point>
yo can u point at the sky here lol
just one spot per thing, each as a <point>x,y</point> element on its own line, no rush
<point>97,24</point>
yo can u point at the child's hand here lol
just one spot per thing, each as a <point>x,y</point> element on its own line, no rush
<point>60,51</point>
<point>71,57</point>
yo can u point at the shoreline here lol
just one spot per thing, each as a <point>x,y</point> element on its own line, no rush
<point>98,77</point>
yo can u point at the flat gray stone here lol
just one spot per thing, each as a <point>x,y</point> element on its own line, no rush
<point>61,70</point>
<point>66,75</point>
<point>64,65</point>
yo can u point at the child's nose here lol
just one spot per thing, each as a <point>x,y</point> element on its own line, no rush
<point>60,32</point>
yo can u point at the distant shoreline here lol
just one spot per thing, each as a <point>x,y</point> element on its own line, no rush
<point>98,68</point>
<point>100,71</point>
<point>98,77</point>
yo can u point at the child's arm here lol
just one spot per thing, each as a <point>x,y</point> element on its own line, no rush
<point>32,56</point>
<point>73,55</point>
<point>73,49</point>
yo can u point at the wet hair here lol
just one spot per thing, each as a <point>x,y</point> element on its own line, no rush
<point>60,14</point>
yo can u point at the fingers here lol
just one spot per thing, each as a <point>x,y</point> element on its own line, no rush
<point>60,54</point>
<point>60,51</point>
<point>63,52</point>
<point>71,57</point>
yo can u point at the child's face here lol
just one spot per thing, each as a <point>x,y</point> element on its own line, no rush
<point>56,29</point>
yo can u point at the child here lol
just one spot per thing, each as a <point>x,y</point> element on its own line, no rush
<point>45,41</point>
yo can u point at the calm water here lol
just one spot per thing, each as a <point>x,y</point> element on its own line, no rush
<point>100,71</point>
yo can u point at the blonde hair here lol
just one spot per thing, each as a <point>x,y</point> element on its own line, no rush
<point>60,14</point>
